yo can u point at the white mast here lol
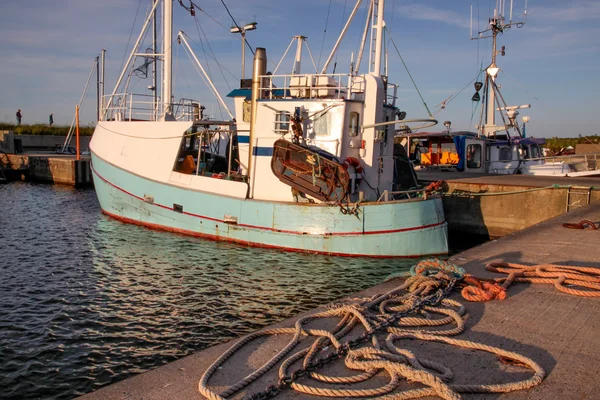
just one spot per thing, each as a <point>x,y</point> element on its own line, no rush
<point>167,57</point>
<point>298,60</point>
<point>378,25</point>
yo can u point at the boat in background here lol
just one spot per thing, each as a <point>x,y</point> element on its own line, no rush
<point>494,148</point>
<point>308,163</point>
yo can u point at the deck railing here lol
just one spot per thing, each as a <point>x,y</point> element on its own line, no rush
<point>318,86</point>
<point>144,107</point>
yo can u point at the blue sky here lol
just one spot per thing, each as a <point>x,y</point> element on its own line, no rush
<point>48,47</point>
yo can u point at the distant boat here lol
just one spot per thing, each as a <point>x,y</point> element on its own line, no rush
<point>495,148</point>
<point>308,164</point>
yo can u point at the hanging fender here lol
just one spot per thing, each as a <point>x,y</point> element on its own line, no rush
<point>352,161</point>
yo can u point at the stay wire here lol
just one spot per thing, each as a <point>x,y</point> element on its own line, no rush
<point>341,29</point>
<point>409,75</point>
<point>130,34</point>
<point>214,56</point>
<point>324,33</point>
<point>236,24</point>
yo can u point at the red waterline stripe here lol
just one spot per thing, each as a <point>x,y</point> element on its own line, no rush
<point>272,229</point>
<point>248,243</point>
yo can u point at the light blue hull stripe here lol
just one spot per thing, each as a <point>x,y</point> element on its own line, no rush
<point>393,229</point>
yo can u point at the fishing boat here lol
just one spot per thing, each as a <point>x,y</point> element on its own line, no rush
<point>306,163</point>
<point>500,144</point>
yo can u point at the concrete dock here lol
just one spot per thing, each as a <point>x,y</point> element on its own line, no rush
<point>498,205</point>
<point>47,167</point>
<point>558,331</point>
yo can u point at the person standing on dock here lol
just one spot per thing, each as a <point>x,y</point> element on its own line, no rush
<point>51,119</point>
<point>19,117</point>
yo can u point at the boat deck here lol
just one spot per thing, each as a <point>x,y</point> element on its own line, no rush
<point>556,330</point>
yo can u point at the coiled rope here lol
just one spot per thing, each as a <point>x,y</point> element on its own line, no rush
<point>584,281</point>
<point>403,313</point>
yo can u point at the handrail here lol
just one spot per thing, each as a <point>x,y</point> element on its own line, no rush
<point>387,193</point>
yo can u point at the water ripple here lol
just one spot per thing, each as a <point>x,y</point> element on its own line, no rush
<point>86,301</point>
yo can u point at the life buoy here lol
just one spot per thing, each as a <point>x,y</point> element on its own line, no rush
<point>352,161</point>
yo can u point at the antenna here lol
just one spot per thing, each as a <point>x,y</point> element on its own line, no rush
<point>498,22</point>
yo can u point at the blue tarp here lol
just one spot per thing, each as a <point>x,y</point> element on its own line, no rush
<point>459,143</point>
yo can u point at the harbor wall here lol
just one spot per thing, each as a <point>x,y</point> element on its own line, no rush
<point>495,211</point>
<point>61,170</point>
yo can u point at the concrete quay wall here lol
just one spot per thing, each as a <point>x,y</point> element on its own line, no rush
<point>473,207</point>
<point>64,170</point>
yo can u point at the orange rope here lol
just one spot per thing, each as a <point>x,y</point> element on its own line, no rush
<point>476,290</point>
<point>585,281</point>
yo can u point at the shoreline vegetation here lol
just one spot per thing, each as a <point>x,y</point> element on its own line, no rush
<point>555,144</point>
<point>44,129</point>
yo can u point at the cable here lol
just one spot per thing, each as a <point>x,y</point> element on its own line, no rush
<point>236,24</point>
<point>324,32</point>
<point>130,34</point>
<point>409,75</point>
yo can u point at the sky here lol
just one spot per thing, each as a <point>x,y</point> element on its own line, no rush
<point>48,49</point>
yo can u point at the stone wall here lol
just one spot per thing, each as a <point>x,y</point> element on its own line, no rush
<point>474,209</point>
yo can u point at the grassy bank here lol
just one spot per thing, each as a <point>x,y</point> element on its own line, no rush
<point>42,129</point>
<point>555,144</point>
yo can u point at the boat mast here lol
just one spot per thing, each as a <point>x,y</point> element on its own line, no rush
<point>154,75</point>
<point>378,26</point>
<point>167,91</point>
<point>497,24</point>
<point>298,60</point>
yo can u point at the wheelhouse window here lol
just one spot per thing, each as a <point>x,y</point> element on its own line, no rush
<point>353,127</point>
<point>525,152</point>
<point>535,151</point>
<point>505,153</point>
<point>321,124</point>
<point>474,156</point>
<point>282,122</point>
<point>247,109</point>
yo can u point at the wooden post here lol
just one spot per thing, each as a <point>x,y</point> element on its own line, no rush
<point>77,132</point>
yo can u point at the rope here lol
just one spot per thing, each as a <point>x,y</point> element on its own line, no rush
<point>582,225</point>
<point>560,276</point>
<point>403,313</point>
<point>482,291</point>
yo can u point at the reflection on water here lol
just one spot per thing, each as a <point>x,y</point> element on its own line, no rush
<point>86,300</point>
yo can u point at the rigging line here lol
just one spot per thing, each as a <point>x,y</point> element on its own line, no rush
<point>130,34</point>
<point>236,24</point>
<point>204,78</point>
<point>520,83</point>
<point>341,29</point>
<point>199,28</point>
<point>132,68</point>
<point>324,33</point>
<point>391,22</point>
<point>453,96</point>
<point>211,57</point>
<point>211,17</point>
<point>410,76</point>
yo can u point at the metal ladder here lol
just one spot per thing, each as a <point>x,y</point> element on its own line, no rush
<point>578,196</point>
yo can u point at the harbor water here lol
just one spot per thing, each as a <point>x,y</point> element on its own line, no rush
<point>86,300</point>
